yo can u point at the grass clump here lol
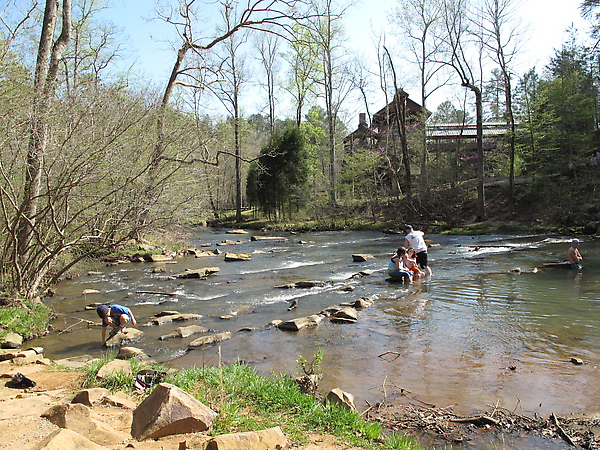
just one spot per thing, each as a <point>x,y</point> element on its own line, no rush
<point>247,401</point>
<point>114,381</point>
<point>28,319</point>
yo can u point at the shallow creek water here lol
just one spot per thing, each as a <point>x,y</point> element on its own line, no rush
<point>452,338</point>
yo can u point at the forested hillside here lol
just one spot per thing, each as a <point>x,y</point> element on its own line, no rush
<point>93,155</point>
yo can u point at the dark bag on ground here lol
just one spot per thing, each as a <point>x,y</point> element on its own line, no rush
<point>20,381</point>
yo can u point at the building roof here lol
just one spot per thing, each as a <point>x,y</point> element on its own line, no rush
<point>460,130</point>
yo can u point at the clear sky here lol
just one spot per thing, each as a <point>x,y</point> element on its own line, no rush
<point>150,41</point>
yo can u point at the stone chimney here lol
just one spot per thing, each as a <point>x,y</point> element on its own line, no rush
<point>362,120</point>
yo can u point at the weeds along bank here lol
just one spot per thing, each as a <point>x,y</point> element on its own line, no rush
<point>243,400</point>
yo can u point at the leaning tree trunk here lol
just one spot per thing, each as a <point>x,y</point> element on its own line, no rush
<point>48,59</point>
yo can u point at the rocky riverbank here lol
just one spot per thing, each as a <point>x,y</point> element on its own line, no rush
<point>44,405</point>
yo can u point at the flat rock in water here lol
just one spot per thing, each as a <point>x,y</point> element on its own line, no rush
<point>228,242</point>
<point>167,313</point>
<point>124,337</point>
<point>191,330</point>
<point>268,238</point>
<point>90,291</point>
<point>309,284</point>
<point>198,273</point>
<point>209,340</point>
<point>556,265</point>
<point>300,322</point>
<point>157,258</point>
<point>361,257</point>
<point>231,257</point>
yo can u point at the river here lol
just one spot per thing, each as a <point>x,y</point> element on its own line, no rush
<point>472,335</point>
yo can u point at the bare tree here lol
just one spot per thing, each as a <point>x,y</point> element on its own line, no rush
<point>326,35</point>
<point>302,60</point>
<point>500,35</point>
<point>267,45</point>
<point>271,16</point>
<point>13,20</point>
<point>46,72</point>
<point>458,41</point>
<point>399,104</point>
<point>229,92</point>
<point>389,146</point>
<point>420,20</point>
<point>93,48</point>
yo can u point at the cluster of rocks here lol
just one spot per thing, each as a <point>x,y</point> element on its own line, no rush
<point>82,422</point>
<point>344,313</point>
<point>166,411</point>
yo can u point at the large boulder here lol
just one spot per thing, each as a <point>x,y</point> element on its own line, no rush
<point>79,418</point>
<point>169,410</point>
<point>361,257</point>
<point>269,439</point>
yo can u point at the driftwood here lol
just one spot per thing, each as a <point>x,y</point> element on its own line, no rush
<point>477,420</point>
<point>156,292</point>
<point>562,432</point>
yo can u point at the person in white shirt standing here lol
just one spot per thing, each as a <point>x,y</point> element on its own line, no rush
<point>416,240</point>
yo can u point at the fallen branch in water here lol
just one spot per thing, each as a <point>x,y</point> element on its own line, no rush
<point>156,292</point>
<point>562,432</point>
<point>478,420</point>
<point>68,329</point>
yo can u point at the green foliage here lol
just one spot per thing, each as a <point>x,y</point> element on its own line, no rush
<point>26,318</point>
<point>114,381</point>
<point>359,174</point>
<point>397,441</point>
<point>312,367</point>
<point>247,401</point>
<point>558,113</point>
<point>277,184</point>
